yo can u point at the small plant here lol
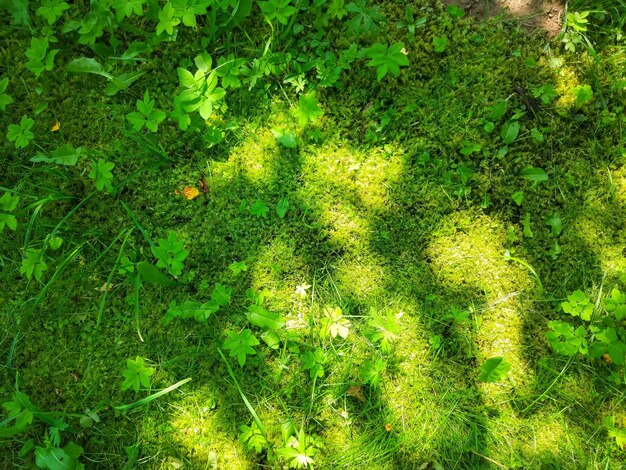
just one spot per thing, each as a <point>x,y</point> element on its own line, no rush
<point>582,93</point>
<point>102,176</point>
<point>21,133</point>
<point>170,253</point>
<point>5,99</point>
<point>66,155</point>
<point>253,438</point>
<point>578,304</point>
<point>136,374</point>
<point>299,451</point>
<point>259,208</point>
<point>371,371</point>
<point>39,58</point>
<point>440,43</point>
<point>546,93</point>
<point>387,59</point>
<point>147,115</point>
<point>279,10</point>
<point>314,361</point>
<point>282,207</point>
<point>241,345</point>
<point>615,305</point>
<point>201,91</point>
<point>201,312</point>
<point>52,10</point>
<point>565,340</point>
<point>167,20</point>
<point>411,23</point>
<point>8,204</point>
<point>237,267</point>
<point>308,109</point>
<point>334,324</point>
<point>383,329</point>
<point>33,264</point>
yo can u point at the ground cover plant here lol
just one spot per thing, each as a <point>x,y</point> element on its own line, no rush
<point>310,234</point>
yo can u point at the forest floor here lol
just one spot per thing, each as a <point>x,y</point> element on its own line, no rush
<point>424,270</point>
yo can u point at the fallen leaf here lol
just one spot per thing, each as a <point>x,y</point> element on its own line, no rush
<point>356,392</point>
<point>190,192</point>
<point>106,286</point>
<point>203,185</point>
<point>56,126</point>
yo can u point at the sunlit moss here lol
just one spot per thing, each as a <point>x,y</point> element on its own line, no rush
<point>469,250</point>
<point>201,433</point>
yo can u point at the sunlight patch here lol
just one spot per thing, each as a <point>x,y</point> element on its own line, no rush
<point>468,252</point>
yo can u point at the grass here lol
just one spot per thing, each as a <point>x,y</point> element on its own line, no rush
<point>373,224</point>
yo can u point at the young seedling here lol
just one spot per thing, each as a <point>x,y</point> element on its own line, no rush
<point>136,374</point>
<point>146,116</point>
<point>387,59</point>
<point>21,133</point>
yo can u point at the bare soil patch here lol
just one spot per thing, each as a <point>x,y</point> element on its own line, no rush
<point>543,15</point>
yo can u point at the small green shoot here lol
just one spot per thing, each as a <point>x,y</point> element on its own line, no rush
<point>136,374</point>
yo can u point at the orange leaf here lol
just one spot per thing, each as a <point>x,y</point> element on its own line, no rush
<point>190,192</point>
<point>56,126</point>
<point>356,392</point>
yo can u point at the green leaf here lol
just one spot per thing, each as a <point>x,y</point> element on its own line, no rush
<point>314,361</point>
<point>578,304</point>
<point>309,109</point>
<point>87,65</point>
<point>21,133</point>
<point>153,275</point>
<point>510,131</point>
<point>279,10</point>
<point>241,345</point>
<point>387,59</point>
<point>186,78</point>
<point>282,207</point>
<point>136,374</point>
<point>555,224</point>
<point>564,340</point>
<point>440,43</point>
<point>170,253</point>
<point>52,10</point>
<point>583,94</point>
<point>55,458</point>
<point>518,197</point>
<point>237,267</point>
<point>334,324</point>
<point>371,371</point>
<point>536,175</point>
<point>221,295</point>
<point>203,62</point>
<point>494,370</point>
<point>167,21</point>
<point>262,318</point>
<point>287,139</point>
<point>101,174</point>
<point>64,155</point>
<point>8,204</point>
<point>200,312</point>
<point>253,438</point>
<point>259,208</point>
<point>33,264</point>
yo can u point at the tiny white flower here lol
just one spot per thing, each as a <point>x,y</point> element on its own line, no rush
<point>301,290</point>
